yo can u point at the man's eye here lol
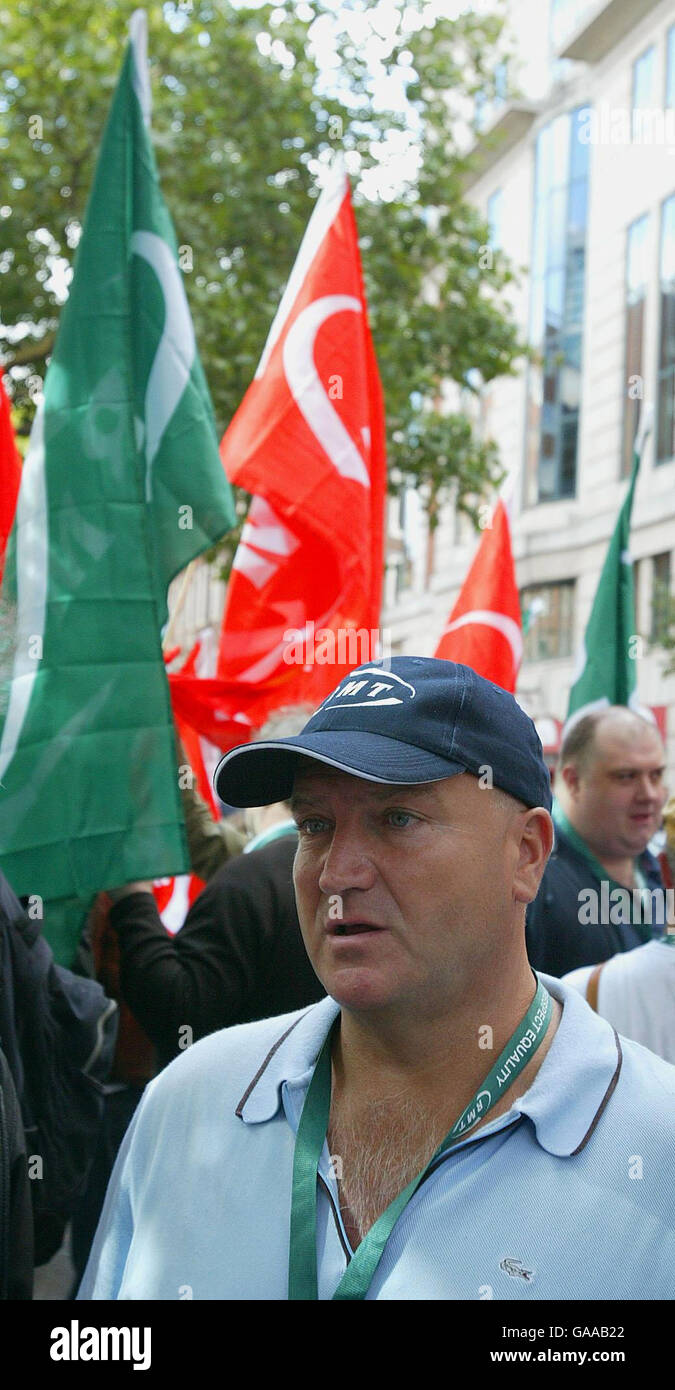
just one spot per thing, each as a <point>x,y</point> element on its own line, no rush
<point>311,825</point>
<point>400,819</point>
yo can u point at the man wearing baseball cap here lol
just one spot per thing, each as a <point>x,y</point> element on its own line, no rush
<point>446,1124</point>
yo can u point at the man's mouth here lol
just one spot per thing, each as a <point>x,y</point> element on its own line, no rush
<point>353,928</point>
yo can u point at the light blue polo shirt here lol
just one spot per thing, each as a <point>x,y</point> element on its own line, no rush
<point>570,1195</point>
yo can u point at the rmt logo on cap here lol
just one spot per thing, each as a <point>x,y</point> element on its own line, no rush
<point>372,691</point>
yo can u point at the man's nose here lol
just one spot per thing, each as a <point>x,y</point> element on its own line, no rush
<point>647,789</point>
<point>346,865</point>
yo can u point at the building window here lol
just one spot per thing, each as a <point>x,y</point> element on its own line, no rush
<point>501,80</point>
<point>670,69</point>
<point>548,620</point>
<point>565,18</point>
<point>557,308</point>
<point>487,105</point>
<point>403,572</point>
<point>636,289</point>
<point>660,598</point>
<point>665,438</point>
<point>494,219</point>
<point>644,95</point>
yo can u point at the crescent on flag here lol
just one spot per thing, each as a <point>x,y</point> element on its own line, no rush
<point>307,389</point>
<point>488,603</point>
<point>508,628</point>
<point>176,351</point>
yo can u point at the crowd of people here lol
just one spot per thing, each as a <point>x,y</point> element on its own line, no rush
<point>416,998</point>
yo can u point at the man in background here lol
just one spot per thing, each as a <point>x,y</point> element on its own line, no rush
<point>609,799</point>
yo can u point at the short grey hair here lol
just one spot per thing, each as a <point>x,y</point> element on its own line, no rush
<point>285,722</point>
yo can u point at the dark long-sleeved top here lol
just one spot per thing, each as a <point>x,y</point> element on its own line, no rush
<point>16,1212</point>
<point>557,940</point>
<point>238,957</point>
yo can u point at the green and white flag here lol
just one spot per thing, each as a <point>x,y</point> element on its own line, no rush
<point>605,671</point>
<point>122,486</point>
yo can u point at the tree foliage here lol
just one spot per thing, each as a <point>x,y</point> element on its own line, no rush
<point>244,116</point>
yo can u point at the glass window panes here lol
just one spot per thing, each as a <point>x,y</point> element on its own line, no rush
<point>556,309</point>
<point>636,284</point>
<point>575,271</point>
<point>544,163</point>
<point>501,75</point>
<point>556,228</point>
<point>548,616</point>
<point>485,106</point>
<point>537,310</point>
<point>480,106</point>
<point>644,74</point>
<point>494,218</point>
<point>578,208</point>
<point>670,69</point>
<point>636,258</point>
<point>579,147</point>
<point>554,298</point>
<point>668,241</point>
<point>570,377</point>
<point>660,597</point>
<point>560,151</point>
<point>568,454</point>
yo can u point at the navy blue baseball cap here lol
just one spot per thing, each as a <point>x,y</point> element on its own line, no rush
<point>408,719</point>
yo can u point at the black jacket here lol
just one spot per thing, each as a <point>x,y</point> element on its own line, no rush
<point>556,940</point>
<point>16,1212</point>
<point>238,957</point>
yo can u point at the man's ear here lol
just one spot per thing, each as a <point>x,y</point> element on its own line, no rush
<point>536,843</point>
<point>571,778</point>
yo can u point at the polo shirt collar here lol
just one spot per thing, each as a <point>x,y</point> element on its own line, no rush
<point>289,1060</point>
<point>564,1103</point>
<point>577,1076</point>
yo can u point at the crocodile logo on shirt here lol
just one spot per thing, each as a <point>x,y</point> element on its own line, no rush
<point>516,1268</point>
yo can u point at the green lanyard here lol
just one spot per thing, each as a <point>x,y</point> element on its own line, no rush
<point>597,869</point>
<point>355,1282</point>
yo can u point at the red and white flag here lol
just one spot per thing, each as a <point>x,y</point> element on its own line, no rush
<point>308,443</point>
<point>10,473</point>
<point>303,600</point>
<point>174,898</point>
<point>484,630</point>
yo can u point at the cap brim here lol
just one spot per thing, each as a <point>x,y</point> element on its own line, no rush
<point>256,774</point>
